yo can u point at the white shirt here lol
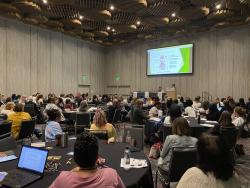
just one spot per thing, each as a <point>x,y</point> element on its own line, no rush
<point>195,178</point>
<point>238,121</point>
<point>189,111</point>
<point>153,112</point>
<point>196,105</point>
<point>7,112</point>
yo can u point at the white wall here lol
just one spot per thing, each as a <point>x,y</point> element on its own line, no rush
<point>221,65</point>
<point>37,60</point>
<point>33,59</point>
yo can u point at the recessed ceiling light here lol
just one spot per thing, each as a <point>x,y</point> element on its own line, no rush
<point>80,17</point>
<point>45,2</point>
<point>138,23</point>
<point>108,28</point>
<point>218,6</point>
<point>113,30</point>
<point>112,7</point>
<point>173,14</point>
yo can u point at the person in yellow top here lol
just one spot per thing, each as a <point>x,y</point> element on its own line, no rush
<point>100,123</point>
<point>17,117</point>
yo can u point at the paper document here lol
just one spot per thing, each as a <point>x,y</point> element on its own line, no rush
<point>38,144</point>
<point>7,158</point>
<point>134,163</point>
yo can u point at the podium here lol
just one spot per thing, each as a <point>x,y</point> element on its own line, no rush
<point>171,93</point>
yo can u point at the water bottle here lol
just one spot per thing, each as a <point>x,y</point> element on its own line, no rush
<point>128,137</point>
<point>199,117</point>
<point>64,140</point>
<point>127,156</point>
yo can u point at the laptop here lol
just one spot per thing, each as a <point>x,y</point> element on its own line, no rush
<point>30,167</point>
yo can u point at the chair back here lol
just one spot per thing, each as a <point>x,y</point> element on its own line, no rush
<point>136,133</point>
<point>7,143</point>
<point>30,108</point>
<point>83,119</point>
<point>100,134</point>
<point>5,129</point>
<point>117,116</point>
<point>3,117</point>
<point>229,134</point>
<point>27,129</point>
<point>182,159</point>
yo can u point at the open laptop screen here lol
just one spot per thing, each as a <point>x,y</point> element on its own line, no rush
<point>32,159</point>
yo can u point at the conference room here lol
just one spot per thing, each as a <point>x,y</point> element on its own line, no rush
<point>125,93</point>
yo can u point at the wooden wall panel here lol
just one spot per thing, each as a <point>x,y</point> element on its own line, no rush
<point>221,64</point>
<point>37,60</point>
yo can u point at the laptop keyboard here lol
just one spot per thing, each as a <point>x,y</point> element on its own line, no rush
<point>19,178</point>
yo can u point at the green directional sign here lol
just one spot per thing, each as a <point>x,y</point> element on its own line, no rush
<point>117,78</point>
<point>84,77</point>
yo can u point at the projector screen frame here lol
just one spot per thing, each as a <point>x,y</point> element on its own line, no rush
<point>174,74</point>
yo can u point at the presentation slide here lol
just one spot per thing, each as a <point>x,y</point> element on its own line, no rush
<point>170,60</point>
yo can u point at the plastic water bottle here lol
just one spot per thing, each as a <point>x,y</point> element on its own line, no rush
<point>128,137</point>
<point>127,156</point>
<point>199,117</point>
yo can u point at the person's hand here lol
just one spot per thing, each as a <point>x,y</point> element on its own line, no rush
<point>101,161</point>
<point>2,154</point>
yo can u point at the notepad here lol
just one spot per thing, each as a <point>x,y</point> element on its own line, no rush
<point>38,144</point>
<point>7,158</point>
<point>70,153</point>
<point>134,163</point>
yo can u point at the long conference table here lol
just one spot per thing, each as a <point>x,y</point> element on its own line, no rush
<point>132,178</point>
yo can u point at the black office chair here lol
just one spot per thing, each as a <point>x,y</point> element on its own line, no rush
<point>100,134</point>
<point>3,117</point>
<point>30,108</point>
<point>7,143</point>
<point>230,135</point>
<point>82,121</point>
<point>182,159</point>
<point>27,129</point>
<point>5,129</point>
<point>136,133</point>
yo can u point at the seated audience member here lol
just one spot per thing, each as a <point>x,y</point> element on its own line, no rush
<point>213,113</point>
<point>17,117</point>
<point>68,105</point>
<point>238,116</point>
<point>154,115</point>
<point>52,128</point>
<point>87,174</point>
<point>138,116</point>
<point>215,169</point>
<point>248,104</point>
<point>180,138</point>
<point>39,99</point>
<point>83,106</point>
<point>8,108</point>
<point>51,105</point>
<point>189,110</point>
<point>204,107</point>
<point>180,103</point>
<point>100,123</point>
<point>112,109</point>
<point>154,111</point>
<point>174,112</point>
<point>196,102</point>
<point>30,102</point>
<point>224,121</point>
<point>219,105</point>
<point>60,103</point>
<point>242,103</point>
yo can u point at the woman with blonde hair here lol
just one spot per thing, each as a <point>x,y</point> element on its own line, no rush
<point>8,108</point>
<point>100,123</point>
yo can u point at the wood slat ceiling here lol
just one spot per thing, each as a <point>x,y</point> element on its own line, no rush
<point>130,20</point>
